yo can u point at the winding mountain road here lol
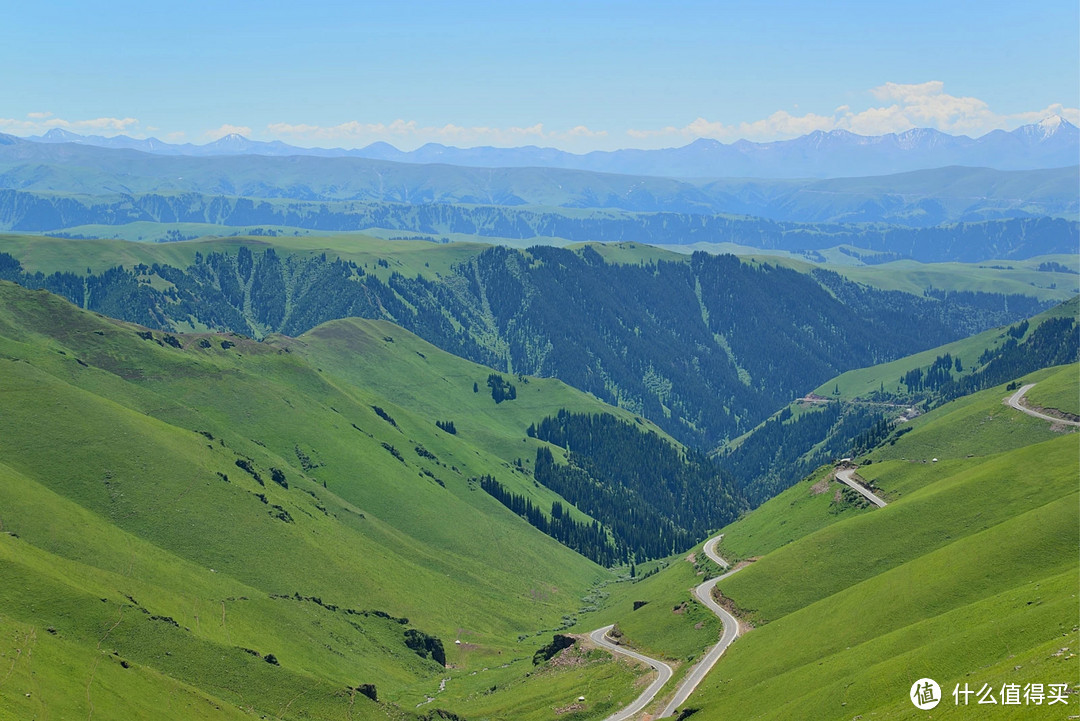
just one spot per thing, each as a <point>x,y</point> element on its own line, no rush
<point>730,633</point>
<point>731,625</point>
<point>599,637</point>
<point>846,477</point>
<point>1016,401</point>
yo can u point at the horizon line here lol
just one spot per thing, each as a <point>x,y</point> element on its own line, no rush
<point>740,141</point>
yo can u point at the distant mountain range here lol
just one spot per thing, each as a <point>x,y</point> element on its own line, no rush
<point>93,216</point>
<point>916,199</point>
<point>1053,142</point>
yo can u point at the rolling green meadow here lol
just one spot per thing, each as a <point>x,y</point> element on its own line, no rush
<point>864,381</point>
<point>201,525</point>
<point>969,574</point>
<point>179,509</point>
<point>427,258</point>
<point>514,362</point>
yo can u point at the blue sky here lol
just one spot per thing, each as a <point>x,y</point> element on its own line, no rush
<point>576,75</point>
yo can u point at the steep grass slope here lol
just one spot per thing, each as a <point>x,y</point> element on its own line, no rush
<point>860,408</point>
<point>968,575</point>
<point>204,525</point>
<point>1060,391</point>
<point>864,381</point>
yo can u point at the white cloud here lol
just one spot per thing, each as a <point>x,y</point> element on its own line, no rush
<point>901,91</point>
<point>779,124</point>
<point>43,122</point>
<point>1070,114</point>
<point>918,105</point>
<point>888,108</point>
<point>227,129</point>
<point>409,133</point>
<point>580,131</point>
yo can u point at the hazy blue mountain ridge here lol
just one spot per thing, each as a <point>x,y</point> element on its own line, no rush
<point>917,199</point>
<point>966,242</point>
<point>1053,142</point>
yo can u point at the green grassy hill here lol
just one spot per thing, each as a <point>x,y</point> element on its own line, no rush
<point>863,406</point>
<point>968,575</point>
<point>410,257</point>
<point>203,525</point>
<point>864,381</point>
<point>1060,391</point>
<point>570,314</point>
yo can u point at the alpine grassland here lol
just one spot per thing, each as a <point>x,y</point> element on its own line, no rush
<point>383,362</point>
<point>1059,391</point>
<point>862,382</point>
<point>422,254</point>
<point>349,522</point>
<point>1021,277</point>
<point>809,505</point>
<point>432,383</point>
<point>615,329</point>
<point>203,522</point>
<point>969,574</point>
<point>656,614</point>
<point>409,257</point>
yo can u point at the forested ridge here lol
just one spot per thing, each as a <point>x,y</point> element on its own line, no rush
<point>1056,341</point>
<point>965,242</point>
<point>588,539</point>
<point>787,446</point>
<point>706,349</point>
<point>656,499</point>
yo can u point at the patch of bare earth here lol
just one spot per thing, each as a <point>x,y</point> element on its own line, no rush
<point>569,657</point>
<point>1055,412</point>
<point>569,709</point>
<point>730,606</point>
<point>820,487</point>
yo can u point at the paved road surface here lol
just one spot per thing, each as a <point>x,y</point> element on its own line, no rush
<point>845,477</point>
<point>599,637</point>
<point>731,625</point>
<point>731,632</point>
<point>1016,401</point>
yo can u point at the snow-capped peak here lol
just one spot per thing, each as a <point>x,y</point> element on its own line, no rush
<point>62,135</point>
<point>1050,125</point>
